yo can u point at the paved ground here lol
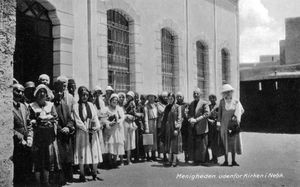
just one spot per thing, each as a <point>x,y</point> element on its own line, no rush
<point>267,160</point>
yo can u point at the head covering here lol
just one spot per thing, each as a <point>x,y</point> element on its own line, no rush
<point>71,81</point>
<point>42,86</point>
<point>109,88</point>
<point>164,94</point>
<point>98,88</point>
<point>62,78</point>
<point>227,88</point>
<point>113,95</point>
<point>18,86</point>
<point>44,76</point>
<point>131,93</point>
<point>197,90</point>
<point>179,94</point>
<point>29,84</point>
<point>121,93</point>
<point>82,89</point>
<point>151,93</point>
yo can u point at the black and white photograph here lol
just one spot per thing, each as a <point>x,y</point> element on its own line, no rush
<point>149,93</point>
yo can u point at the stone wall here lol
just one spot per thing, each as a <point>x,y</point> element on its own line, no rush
<point>7,44</point>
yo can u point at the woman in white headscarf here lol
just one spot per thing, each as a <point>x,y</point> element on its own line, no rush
<point>229,116</point>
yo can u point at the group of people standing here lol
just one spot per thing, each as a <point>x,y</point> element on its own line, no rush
<point>57,130</point>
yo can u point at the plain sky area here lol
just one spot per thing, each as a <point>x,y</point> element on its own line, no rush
<point>262,25</point>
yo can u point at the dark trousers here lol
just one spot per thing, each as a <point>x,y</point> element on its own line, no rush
<point>200,148</point>
<point>22,159</point>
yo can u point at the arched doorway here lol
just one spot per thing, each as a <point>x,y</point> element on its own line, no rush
<point>34,42</point>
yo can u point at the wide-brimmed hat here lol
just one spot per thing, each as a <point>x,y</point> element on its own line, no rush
<point>42,86</point>
<point>227,88</point>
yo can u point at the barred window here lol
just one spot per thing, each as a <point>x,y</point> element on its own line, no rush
<point>168,56</point>
<point>201,66</point>
<point>118,51</point>
<point>225,66</point>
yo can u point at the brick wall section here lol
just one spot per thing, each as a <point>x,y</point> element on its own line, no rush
<point>7,44</point>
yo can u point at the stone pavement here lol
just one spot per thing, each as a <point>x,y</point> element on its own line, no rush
<point>267,160</point>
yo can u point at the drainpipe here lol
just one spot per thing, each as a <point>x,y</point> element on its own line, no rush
<point>238,48</point>
<point>90,61</point>
<point>215,49</point>
<point>187,49</point>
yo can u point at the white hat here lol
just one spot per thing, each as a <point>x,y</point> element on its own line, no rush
<point>179,94</point>
<point>131,93</point>
<point>44,76</point>
<point>109,88</point>
<point>152,93</point>
<point>227,88</point>
<point>164,93</point>
<point>98,88</point>
<point>197,90</point>
<point>42,86</point>
<point>62,78</point>
<point>113,95</point>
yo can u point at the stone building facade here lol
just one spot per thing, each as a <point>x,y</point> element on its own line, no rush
<point>203,34</point>
<point>147,46</point>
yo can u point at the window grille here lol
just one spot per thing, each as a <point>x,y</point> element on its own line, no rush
<point>168,57</point>
<point>201,67</point>
<point>118,51</point>
<point>225,66</point>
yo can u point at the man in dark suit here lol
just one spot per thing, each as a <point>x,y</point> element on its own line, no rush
<point>23,136</point>
<point>65,131</point>
<point>197,116</point>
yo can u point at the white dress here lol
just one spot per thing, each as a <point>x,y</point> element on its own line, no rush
<point>114,136</point>
<point>87,151</point>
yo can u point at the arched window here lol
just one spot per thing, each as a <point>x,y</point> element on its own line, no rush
<point>225,65</point>
<point>202,58</point>
<point>118,51</point>
<point>168,58</point>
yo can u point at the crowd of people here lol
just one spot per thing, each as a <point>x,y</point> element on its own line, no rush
<point>59,132</point>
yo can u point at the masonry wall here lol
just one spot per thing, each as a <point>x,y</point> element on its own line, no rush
<point>149,17</point>
<point>292,41</point>
<point>7,44</point>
